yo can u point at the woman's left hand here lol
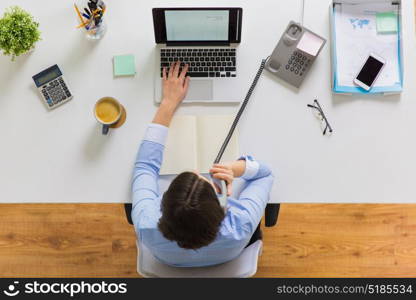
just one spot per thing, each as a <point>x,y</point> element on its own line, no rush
<point>223,172</point>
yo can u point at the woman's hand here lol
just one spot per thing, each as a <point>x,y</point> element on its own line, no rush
<point>223,172</point>
<point>175,84</point>
<point>175,87</point>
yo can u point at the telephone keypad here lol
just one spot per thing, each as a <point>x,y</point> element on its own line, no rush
<point>297,63</point>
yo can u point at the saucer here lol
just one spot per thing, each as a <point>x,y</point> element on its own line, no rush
<point>122,118</point>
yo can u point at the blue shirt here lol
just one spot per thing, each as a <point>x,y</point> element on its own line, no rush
<point>242,216</point>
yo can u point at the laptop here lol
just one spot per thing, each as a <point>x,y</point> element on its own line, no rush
<point>206,39</point>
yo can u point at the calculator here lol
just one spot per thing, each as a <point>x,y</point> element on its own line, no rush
<point>52,86</point>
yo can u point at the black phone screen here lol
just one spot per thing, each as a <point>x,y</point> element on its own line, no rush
<point>370,71</point>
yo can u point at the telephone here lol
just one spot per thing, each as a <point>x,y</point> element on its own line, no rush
<point>291,60</point>
<point>295,53</point>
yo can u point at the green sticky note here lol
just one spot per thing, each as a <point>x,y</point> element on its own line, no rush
<point>124,65</point>
<point>387,22</point>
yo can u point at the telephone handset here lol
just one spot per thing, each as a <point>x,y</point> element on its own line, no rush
<point>292,34</point>
<point>222,197</point>
<point>295,53</point>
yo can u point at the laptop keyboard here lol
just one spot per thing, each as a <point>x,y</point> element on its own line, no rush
<point>202,62</point>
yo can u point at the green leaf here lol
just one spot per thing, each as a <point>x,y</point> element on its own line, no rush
<point>19,32</point>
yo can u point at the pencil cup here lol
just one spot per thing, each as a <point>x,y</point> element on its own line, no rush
<point>97,32</point>
<point>90,15</point>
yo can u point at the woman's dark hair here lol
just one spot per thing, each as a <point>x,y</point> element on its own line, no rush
<point>191,212</point>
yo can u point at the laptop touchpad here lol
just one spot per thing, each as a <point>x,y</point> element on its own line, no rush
<point>200,90</point>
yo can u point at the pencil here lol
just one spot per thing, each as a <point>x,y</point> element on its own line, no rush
<point>80,17</point>
<point>82,25</point>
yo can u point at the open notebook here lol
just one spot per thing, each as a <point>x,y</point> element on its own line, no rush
<point>194,142</point>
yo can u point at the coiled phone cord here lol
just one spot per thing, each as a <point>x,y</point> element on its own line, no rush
<point>241,110</point>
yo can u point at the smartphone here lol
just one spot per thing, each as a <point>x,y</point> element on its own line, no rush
<point>370,71</point>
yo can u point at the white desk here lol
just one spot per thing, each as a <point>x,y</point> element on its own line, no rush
<point>61,156</point>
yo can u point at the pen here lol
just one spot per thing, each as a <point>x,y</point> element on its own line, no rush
<point>98,14</point>
<point>92,6</point>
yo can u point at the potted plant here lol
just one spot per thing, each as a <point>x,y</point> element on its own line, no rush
<point>18,32</point>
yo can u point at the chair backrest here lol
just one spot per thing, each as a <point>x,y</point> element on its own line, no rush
<point>245,265</point>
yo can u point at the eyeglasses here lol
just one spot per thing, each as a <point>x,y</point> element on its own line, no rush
<point>319,113</point>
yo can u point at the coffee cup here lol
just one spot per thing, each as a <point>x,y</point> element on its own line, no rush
<point>108,112</point>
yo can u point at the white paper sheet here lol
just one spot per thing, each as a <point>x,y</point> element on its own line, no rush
<point>194,141</point>
<point>356,38</point>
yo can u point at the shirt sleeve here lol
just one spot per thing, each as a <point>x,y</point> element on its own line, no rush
<point>254,197</point>
<point>145,187</point>
<point>252,167</point>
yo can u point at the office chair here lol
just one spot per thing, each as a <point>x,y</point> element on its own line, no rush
<point>245,265</point>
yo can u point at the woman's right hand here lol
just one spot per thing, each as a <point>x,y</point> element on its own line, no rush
<point>175,85</point>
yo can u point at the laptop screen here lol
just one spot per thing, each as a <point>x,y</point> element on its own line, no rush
<point>197,26</point>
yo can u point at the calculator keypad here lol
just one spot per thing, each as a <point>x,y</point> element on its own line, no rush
<point>55,92</point>
<point>298,63</point>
